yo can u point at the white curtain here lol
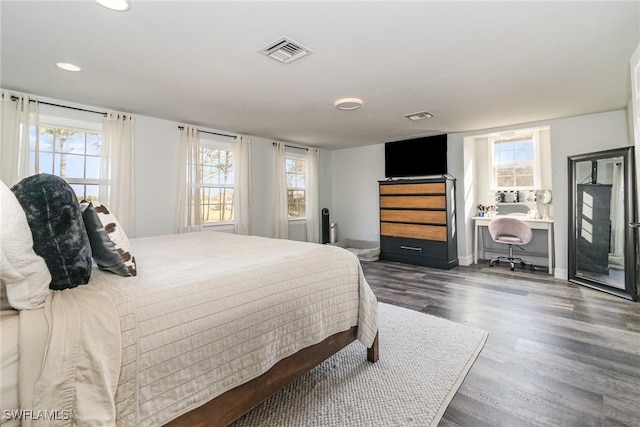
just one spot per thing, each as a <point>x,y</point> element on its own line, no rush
<point>281,211</point>
<point>617,211</point>
<point>242,184</point>
<point>313,216</point>
<point>188,212</point>
<point>17,116</point>
<point>116,168</point>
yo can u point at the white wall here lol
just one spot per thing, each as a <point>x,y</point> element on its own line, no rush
<point>485,194</point>
<point>634,125</point>
<point>156,170</point>
<point>569,136</point>
<point>479,161</point>
<point>156,174</point>
<point>355,177</point>
<point>578,135</point>
<point>357,170</point>
<point>349,178</point>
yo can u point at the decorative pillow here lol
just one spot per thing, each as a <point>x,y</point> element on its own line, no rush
<point>24,275</point>
<point>116,234</point>
<point>103,250</point>
<point>59,235</point>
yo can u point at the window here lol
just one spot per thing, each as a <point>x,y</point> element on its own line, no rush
<point>296,187</point>
<point>515,161</point>
<point>216,183</point>
<point>69,152</point>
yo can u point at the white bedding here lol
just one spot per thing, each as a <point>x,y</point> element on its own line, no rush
<point>209,311</point>
<point>9,329</point>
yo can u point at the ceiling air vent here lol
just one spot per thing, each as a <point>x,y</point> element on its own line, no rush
<point>285,50</point>
<point>420,115</point>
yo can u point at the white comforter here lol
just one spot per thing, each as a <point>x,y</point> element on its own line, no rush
<point>207,312</point>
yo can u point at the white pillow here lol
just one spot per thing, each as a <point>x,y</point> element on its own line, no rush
<point>24,275</point>
<point>116,234</point>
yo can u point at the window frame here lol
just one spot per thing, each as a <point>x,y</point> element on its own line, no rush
<point>215,144</point>
<point>83,126</point>
<point>303,158</point>
<point>515,136</point>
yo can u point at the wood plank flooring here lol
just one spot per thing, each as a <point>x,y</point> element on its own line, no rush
<point>558,354</point>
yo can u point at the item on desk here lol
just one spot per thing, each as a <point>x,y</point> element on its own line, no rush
<point>511,197</point>
<point>487,211</point>
<point>527,195</point>
<point>500,197</point>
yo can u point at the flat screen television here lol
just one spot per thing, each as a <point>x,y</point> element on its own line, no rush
<point>416,157</point>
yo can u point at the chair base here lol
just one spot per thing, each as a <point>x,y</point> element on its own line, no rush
<point>512,261</point>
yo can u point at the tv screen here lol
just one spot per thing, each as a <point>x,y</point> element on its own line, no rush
<point>416,157</point>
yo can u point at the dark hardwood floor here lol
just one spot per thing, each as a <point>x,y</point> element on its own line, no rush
<point>558,354</point>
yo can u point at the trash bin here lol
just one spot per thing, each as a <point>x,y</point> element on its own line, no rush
<point>333,232</point>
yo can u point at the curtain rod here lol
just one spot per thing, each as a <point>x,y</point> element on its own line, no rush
<point>212,133</point>
<point>293,146</point>
<point>15,98</point>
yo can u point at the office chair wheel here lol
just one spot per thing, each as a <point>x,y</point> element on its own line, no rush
<point>513,267</point>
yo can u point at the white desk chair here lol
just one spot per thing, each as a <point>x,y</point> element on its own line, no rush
<point>509,230</point>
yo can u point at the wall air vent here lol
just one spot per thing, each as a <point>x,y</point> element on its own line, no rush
<point>285,50</point>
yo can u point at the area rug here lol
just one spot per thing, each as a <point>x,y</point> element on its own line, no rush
<point>423,361</point>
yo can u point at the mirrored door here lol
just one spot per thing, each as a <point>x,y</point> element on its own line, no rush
<point>601,205</point>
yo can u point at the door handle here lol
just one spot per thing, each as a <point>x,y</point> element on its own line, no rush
<point>634,224</point>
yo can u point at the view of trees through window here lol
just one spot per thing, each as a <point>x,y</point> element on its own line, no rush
<point>514,162</point>
<point>296,188</point>
<point>216,172</point>
<point>72,154</point>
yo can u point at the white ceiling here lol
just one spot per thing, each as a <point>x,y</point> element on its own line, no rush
<point>474,65</point>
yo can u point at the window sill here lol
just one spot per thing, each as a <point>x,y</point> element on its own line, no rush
<point>219,225</point>
<point>295,220</point>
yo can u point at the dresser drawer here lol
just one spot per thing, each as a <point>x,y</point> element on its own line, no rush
<point>425,202</point>
<point>416,251</point>
<point>424,188</point>
<point>421,217</point>
<point>414,231</point>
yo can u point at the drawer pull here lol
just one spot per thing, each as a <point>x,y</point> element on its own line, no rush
<point>411,248</point>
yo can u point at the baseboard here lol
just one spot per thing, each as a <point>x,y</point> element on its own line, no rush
<point>465,261</point>
<point>561,274</point>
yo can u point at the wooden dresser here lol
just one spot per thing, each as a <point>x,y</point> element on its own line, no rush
<point>417,222</point>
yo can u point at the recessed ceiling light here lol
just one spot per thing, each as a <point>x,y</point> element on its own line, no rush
<point>420,115</point>
<point>119,5</point>
<point>348,104</point>
<point>68,67</point>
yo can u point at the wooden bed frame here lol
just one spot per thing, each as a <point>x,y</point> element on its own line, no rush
<point>228,407</point>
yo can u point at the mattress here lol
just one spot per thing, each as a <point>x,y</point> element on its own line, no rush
<point>207,312</point>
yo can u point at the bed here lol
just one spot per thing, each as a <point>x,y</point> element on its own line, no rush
<point>211,325</point>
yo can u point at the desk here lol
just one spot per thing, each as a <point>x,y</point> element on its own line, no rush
<point>538,224</point>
